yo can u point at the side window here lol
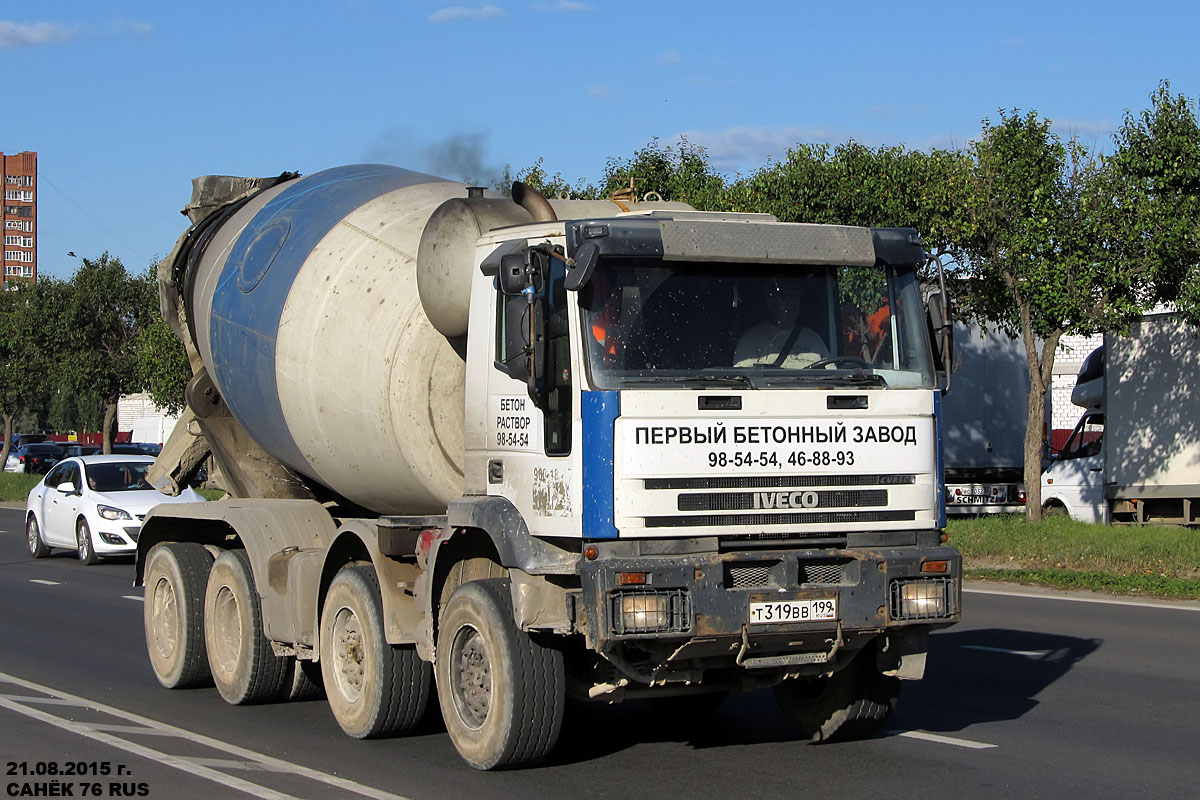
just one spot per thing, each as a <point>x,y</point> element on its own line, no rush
<point>516,327</point>
<point>71,474</point>
<point>55,476</point>
<point>512,334</point>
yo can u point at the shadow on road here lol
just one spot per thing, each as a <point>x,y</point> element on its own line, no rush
<point>986,675</point>
<point>973,677</point>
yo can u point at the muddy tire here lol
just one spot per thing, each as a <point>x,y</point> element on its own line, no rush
<point>305,681</point>
<point>373,688</point>
<point>502,692</point>
<point>175,578</point>
<point>243,665</point>
<point>853,703</point>
<point>33,539</point>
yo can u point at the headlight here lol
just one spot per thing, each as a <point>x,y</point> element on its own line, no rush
<point>650,612</point>
<point>921,599</point>
<point>108,512</point>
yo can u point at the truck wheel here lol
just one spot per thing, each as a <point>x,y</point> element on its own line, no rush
<point>850,704</point>
<point>83,543</point>
<point>243,665</point>
<point>501,691</point>
<point>173,613</point>
<point>33,539</point>
<point>374,689</point>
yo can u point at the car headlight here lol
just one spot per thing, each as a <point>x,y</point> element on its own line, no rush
<point>108,512</point>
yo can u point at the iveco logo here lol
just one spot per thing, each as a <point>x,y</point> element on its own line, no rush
<point>785,499</point>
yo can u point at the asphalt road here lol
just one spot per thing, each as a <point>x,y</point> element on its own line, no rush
<point>1030,697</point>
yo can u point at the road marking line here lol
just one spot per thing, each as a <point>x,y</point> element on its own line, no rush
<point>45,701</point>
<point>44,583</point>
<point>1103,601</point>
<point>230,763</point>
<point>936,737</point>
<point>1025,653</point>
<point>179,762</point>
<point>249,788</point>
<point>134,729</point>
<point>133,597</point>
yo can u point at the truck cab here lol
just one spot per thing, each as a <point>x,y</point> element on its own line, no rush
<point>744,448</point>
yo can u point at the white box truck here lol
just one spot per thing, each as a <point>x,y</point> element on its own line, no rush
<point>1135,456</point>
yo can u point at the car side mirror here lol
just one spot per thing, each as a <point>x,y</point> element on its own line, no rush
<point>66,487</point>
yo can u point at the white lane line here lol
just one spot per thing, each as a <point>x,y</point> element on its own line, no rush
<point>42,701</point>
<point>44,583</point>
<point>133,597</point>
<point>937,737</point>
<point>230,763</point>
<point>252,789</point>
<point>164,729</point>
<point>135,729</point>
<point>1025,653</point>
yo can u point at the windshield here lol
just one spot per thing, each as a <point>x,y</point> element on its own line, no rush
<point>648,321</point>
<point>118,477</point>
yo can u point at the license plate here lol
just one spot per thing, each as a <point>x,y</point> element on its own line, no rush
<point>978,499</point>
<point>817,610</point>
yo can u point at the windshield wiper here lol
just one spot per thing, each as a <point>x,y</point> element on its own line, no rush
<point>707,379</point>
<point>830,379</point>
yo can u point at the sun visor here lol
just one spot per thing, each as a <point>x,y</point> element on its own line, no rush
<point>781,243</point>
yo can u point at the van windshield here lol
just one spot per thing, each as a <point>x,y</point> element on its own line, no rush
<point>648,321</point>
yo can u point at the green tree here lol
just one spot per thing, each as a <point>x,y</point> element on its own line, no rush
<point>32,325</point>
<point>107,312</point>
<point>162,364</point>
<point>1152,208</point>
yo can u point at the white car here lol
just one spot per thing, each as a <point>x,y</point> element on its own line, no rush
<point>93,505</point>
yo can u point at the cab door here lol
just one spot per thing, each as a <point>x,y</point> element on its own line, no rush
<point>530,433</point>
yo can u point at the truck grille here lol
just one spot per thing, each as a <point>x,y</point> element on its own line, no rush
<point>737,501</point>
<point>778,481</point>
<point>810,518</point>
<point>750,575</point>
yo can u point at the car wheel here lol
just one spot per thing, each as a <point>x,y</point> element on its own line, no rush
<point>37,548</point>
<point>83,543</point>
<point>33,539</point>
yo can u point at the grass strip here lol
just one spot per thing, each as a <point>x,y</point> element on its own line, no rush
<point>15,486</point>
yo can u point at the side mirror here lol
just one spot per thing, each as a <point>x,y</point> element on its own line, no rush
<point>514,271</point>
<point>66,487</point>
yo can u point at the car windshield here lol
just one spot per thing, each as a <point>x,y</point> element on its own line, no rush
<point>648,321</point>
<point>117,477</point>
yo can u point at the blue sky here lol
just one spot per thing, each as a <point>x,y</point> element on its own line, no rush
<point>126,102</point>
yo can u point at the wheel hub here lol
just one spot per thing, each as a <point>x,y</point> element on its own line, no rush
<point>471,678</point>
<point>227,629</point>
<point>348,653</point>
<point>164,618</point>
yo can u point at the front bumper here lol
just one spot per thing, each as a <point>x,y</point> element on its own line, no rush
<point>114,537</point>
<point>708,599</point>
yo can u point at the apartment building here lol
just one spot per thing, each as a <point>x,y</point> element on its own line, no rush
<point>18,175</point>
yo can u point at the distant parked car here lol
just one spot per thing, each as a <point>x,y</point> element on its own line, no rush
<point>37,457</point>
<point>137,449</point>
<point>94,505</point>
<point>75,450</point>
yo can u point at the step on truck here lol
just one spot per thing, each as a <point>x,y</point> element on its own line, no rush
<point>513,450</point>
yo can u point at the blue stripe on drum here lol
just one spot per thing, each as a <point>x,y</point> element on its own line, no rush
<point>255,282</point>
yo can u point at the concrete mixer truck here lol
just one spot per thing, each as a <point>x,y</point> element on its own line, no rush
<point>510,450</point>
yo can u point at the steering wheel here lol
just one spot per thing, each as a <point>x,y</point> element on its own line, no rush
<point>854,360</point>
